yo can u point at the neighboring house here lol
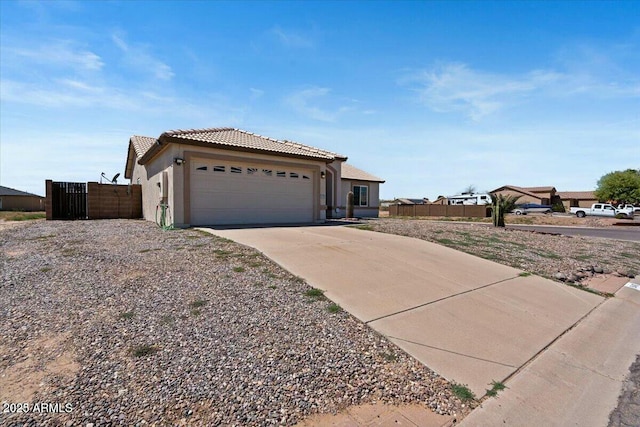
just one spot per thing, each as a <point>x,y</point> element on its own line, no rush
<point>230,176</point>
<point>549,196</point>
<point>407,201</point>
<point>581,199</point>
<point>440,200</point>
<point>538,195</point>
<point>16,200</point>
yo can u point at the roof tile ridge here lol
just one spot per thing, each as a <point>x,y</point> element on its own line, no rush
<point>176,132</point>
<point>311,148</point>
<point>256,135</point>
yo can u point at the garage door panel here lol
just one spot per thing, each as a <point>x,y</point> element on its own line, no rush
<point>246,198</point>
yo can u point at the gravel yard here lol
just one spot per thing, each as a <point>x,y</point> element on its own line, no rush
<point>117,322</point>
<point>575,258</point>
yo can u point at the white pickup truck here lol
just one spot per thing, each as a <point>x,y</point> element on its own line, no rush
<point>597,209</point>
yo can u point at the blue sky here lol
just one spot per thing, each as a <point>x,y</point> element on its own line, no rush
<point>431,96</point>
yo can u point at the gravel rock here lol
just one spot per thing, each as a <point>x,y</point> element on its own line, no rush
<point>547,255</point>
<point>182,328</point>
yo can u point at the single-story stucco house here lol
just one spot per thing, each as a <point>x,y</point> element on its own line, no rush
<point>582,199</point>
<point>16,200</point>
<point>538,195</point>
<point>230,176</point>
<point>549,196</point>
<point>408,201</point>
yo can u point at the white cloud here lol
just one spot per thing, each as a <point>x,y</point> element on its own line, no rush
<point>290,38</point>
<point>137,57</point>
<point>256,93</point>
<point>456,87</point>
<point>80,85</point>
<point>59,53</point>
<point>66,93</point>
<point>314,103</point>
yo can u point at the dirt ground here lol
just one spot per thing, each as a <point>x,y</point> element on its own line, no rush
<point>537,219</point>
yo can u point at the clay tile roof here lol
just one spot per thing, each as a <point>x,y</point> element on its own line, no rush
<point>353,173</point>
<point>583,195</point>
<point>142,144</point>
<point>232,137</point>
<point>516,188</point>
<point>539,189</point>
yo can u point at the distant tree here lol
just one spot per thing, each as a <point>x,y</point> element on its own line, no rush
<point>620,186</point>
<point>500,205</point>
<point>470,189</point>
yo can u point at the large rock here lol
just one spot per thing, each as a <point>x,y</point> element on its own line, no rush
<point>560,276</point>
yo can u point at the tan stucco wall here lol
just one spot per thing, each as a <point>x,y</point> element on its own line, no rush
<point>372,210</point>
<point>338,194</point>
<point>148,176</point>
<point>582,203</point>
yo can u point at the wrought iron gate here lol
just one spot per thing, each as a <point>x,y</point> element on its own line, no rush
<point>69,200</point>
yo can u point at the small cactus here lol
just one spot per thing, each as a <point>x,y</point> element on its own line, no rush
<point>350,204</point>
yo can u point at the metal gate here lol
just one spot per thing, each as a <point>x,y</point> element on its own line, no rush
<point>69,200</point>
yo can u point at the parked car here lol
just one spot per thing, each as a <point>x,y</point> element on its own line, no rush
<point>599,209</point>
<point>526,208</point>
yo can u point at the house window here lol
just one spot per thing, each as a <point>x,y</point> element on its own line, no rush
<point>281,174</point>
<point>219,169</point>
<point>360,195</point>
<point>293,175</point>
<point>236,169</point>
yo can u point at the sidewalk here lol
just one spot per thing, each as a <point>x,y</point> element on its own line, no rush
<point>577,381</point>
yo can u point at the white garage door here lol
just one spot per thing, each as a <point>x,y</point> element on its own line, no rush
<point>247,193</point>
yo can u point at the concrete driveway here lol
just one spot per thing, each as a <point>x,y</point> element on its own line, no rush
<point>471,320</point>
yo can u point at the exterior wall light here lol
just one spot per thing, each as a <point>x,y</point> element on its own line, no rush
<point>323,174</point>
<point>178,161</point>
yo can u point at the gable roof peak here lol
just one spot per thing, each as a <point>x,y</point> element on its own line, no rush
<point>175,132</point>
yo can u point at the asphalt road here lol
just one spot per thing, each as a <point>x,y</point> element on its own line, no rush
<point>622,233</point>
